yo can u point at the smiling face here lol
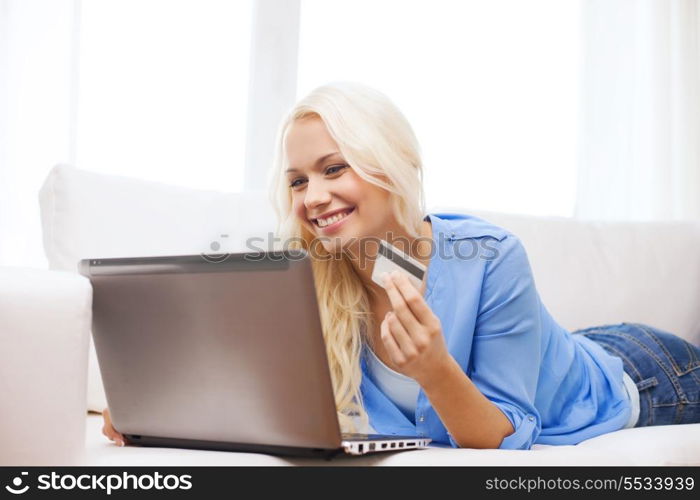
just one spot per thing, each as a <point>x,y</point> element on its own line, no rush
<point>328,198</point>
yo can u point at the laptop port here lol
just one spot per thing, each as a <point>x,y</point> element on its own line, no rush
<point>361,448</point>
<point>371,446</point>
<point>411,444</point>
<point>400,445</point>
<point>383,445</point>
<point>393,445</point>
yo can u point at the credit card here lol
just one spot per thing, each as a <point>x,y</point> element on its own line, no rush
<point>389,258</point>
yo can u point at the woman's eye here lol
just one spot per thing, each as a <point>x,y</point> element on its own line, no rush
<point>330,170</point>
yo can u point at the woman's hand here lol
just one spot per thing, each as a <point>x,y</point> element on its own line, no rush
<point>412,333</point>
<point>109,430</point>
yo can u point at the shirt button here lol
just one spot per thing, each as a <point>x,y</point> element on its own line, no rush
<point>421,419</point>
<point>531,418</point>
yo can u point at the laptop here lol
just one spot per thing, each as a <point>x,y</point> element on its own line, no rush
<point>219,352</point>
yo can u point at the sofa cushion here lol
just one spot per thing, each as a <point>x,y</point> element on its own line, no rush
<point>593,273</point>
<point>662,445</point>
<point>45,324</point>
<point>86,214</point>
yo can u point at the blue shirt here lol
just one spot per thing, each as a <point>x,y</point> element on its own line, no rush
<point>554,387</point>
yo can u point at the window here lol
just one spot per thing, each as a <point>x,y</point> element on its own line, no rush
<point>490,88</point>
<point>163,90</point>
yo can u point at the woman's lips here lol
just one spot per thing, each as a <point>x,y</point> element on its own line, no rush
<point>331,228</point>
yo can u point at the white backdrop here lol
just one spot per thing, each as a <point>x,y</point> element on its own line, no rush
<point>640,147</point>
<point>490,87</point>
<point>38,41</point>
<point>551,107</point>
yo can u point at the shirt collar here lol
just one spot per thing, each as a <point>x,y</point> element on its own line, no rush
<point>456,226</point>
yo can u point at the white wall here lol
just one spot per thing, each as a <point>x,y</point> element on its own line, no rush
<point>37,122</point>
<point>491,89</point>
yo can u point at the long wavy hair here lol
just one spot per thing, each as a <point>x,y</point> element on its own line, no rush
<point>379,144</point>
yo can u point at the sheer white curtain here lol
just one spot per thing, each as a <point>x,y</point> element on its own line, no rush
<point>640,130</point>
<point>503,99</point>
<point>156,89</point>
<point>163,90</point>
<point>491,89</point>
<point>38,46</point>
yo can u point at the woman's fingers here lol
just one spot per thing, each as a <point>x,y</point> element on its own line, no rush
<point>391,345</point>
<point>416,316</point>
<point>398,303</point>
<point>412,297</point>
<point>402,337</point>
<point>109,430</point>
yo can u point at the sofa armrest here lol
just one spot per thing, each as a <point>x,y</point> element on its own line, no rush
<point>46,320</point>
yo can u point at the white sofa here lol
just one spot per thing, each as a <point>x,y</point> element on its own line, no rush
<point>587,273</point>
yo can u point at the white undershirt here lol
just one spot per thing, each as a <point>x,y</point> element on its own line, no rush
<point>633,395</point>
<point>400,389</point>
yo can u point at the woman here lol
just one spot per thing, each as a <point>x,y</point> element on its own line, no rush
<point>472,358</point>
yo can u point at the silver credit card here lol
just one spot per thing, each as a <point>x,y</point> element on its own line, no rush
<point>389,258</point>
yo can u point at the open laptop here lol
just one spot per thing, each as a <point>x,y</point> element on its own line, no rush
<point>220,352</point>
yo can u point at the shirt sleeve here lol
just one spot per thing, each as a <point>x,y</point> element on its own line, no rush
<point>506,349</point>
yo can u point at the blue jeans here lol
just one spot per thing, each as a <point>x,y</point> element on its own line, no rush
<point>665,368</point>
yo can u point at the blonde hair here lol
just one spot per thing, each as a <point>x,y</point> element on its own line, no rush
<point>379,145</point>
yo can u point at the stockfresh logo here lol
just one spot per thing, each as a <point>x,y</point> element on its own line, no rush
<point>216,258</point>
<point>17,487</point>
<point>106,483</point>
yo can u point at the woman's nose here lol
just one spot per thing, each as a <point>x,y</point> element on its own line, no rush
<point>316,195</point>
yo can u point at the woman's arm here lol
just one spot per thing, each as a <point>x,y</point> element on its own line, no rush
<point>413,337</point>
<point>504,361</point>
<point>471,419</point>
